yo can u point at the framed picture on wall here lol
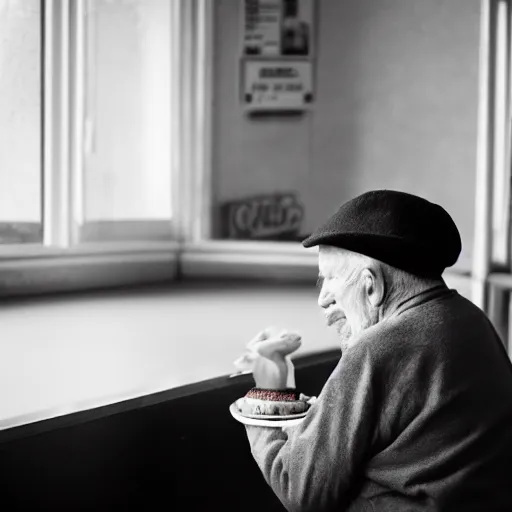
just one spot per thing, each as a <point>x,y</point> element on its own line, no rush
<point>278,28</point>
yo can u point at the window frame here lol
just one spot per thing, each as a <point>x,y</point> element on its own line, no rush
<point>491,247</point>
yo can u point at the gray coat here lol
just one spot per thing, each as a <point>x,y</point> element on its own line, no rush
<point>417,416</point>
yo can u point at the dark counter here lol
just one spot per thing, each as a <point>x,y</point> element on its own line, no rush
<point>176,450</point>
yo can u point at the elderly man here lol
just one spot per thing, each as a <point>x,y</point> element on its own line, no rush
<point>417,415</point>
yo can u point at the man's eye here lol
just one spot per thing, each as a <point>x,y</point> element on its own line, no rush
<point>320,282</point>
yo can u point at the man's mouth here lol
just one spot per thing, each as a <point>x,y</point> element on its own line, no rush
<point>334,316</point>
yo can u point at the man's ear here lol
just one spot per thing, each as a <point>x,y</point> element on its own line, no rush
<point>374,285</point>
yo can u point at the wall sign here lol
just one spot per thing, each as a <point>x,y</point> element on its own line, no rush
<point>262,217</point>
<point>277,28</point>
<point>277,85</point>
<point>277,50</point>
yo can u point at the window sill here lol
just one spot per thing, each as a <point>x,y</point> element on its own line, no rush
<point>287,260</point>
<point>34,269</point>
<point>252,260</point>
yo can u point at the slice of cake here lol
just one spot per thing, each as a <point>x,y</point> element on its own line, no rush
<point>269,402</point>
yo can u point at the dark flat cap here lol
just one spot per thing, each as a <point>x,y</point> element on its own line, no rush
<point>400,229</point>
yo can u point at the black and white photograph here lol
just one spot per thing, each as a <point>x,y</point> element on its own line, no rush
<point>256,255</point>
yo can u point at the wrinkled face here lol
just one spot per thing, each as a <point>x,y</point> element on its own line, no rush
<point>343,295</point>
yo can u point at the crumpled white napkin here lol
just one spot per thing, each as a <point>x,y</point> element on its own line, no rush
<point>245,363</point>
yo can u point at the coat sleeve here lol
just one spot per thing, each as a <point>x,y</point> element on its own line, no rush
<point>314,465</point>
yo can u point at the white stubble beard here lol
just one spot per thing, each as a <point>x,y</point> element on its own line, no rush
<point>348,335</point>
<point>345,334</point>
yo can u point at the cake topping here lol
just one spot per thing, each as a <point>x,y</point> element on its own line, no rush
<point>287,395</point>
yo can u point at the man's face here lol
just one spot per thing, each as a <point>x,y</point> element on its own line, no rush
<point>343,296</point>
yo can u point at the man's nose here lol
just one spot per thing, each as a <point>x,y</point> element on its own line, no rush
<point>325,298</point>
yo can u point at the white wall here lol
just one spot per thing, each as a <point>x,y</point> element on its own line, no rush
<point>395,107</point>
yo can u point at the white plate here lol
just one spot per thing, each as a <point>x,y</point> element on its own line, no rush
<point>285,421</point>
<point>272,417</point>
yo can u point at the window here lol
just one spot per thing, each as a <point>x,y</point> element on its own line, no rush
<point>20,122</point>
<point>100,101</point>
<point>106,139</point>
<point>125,73</point>
<point>501,143</point>
<point>120,60</point>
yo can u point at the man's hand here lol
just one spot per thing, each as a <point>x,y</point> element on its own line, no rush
<point>271,370</point>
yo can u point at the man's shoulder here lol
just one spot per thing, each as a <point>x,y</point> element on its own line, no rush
<point>422,332</point>
<point>376,345</point>
<point>397,338</point>
<point>385,336</point>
